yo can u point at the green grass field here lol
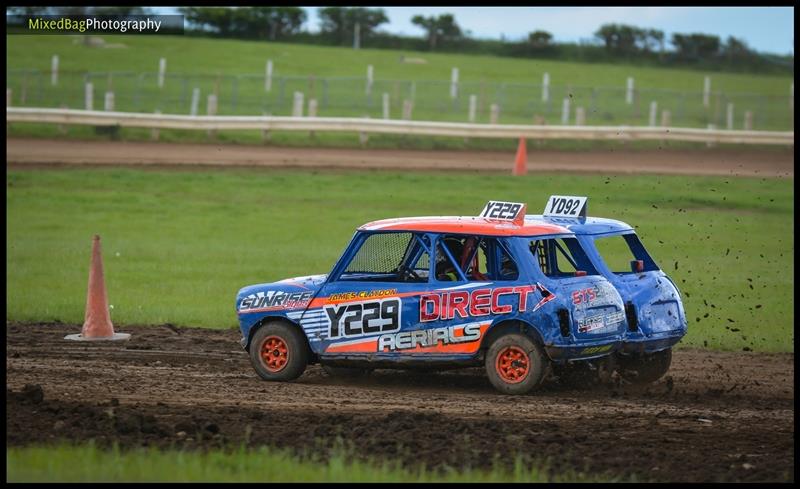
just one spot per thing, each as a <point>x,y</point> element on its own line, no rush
<point>89,464</point>
<point>179,244</point>
<point>314,70</point>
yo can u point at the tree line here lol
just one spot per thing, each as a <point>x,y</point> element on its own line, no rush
<point>359,26</point>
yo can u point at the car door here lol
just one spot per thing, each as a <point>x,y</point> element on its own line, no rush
<point>373,296</point>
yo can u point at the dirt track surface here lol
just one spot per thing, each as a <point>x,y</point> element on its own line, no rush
<point>741,162</point>
<point>715,417</point>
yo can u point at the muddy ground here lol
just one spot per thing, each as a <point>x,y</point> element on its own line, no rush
<point>741,161</point>
<point>716,417</point>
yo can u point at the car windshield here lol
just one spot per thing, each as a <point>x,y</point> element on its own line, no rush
<point>389,257</point>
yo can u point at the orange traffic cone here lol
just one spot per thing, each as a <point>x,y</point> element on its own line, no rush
<point>97,321</point>
<point>521,163</point>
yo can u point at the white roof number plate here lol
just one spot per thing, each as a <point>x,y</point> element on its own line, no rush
<point>565,206</point>
<point>507,211</point>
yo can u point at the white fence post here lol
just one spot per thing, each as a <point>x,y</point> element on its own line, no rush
<point>195,101</point>
<point>154,132</point>
<point>89,96</point>
<point>710,144</point>
<point>62,129</point>
<point>265,136</point>
<point>729,115</point>
<point>494,113</point>
<point>580,116</point>
<point>370,72</point>
<point>54,70</point>
<point>162,70</point>
<point>666,118</point>
<point>407,108</point>
<point>653,113</point>
<point>363,137</point>
<point>748,121</point>
<point>385,103</point>
<point>473,104</point>
<point>706,91</point>
<point>565,112</point>
<point>546,87</point>
<point>211,109</point>
<point>108,103</point>
<point>357,36</point>
<point>312,112</point>
<point>454,83</point>
<point>297,106</point>
<point>268,76</point>
<point>629,92</point>
<point>8,104</point>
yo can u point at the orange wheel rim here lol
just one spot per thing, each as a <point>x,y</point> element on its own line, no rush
<point>274,353</point>
<point>513,364</point>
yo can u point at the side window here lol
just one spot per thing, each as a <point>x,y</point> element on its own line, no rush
<point>389,257</point>
<point>561,257</point>
<point>423,264</point>
<point>624,254</point>
<point>506,267</point>
<point>476,258</point>
<point>446,269</point>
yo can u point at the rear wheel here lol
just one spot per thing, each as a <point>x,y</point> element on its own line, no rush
<point>515,364</point>
<point>644,368</point>
<point>278,351</point>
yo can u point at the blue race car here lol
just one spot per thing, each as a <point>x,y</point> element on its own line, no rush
<point>525,296</point>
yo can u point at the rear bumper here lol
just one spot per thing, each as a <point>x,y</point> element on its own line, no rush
<point>653,343</point>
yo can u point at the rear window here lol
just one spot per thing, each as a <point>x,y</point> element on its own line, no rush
<point>621,252</point>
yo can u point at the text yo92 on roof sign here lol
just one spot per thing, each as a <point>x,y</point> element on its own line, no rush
<point>565,206</point>
<point>507,211</point>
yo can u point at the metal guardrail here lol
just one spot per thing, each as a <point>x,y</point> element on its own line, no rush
<point>384,126</point>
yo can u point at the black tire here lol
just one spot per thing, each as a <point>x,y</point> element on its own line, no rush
<point>347,372</point>
<point>576,374</point>
<point>586,373</point>
<point>644,368</point>
<point>285,365</point>
<point>535,363</point>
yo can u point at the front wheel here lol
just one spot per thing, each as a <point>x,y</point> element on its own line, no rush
<point>515,364</point>
<point>279,352</point>
<point>644,368</point>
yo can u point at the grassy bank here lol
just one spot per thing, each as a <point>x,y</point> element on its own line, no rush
<point>336,78</point>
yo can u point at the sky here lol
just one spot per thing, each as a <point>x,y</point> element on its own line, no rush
<point>765,29</point>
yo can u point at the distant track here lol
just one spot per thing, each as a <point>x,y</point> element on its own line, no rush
<point>28,152</point>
